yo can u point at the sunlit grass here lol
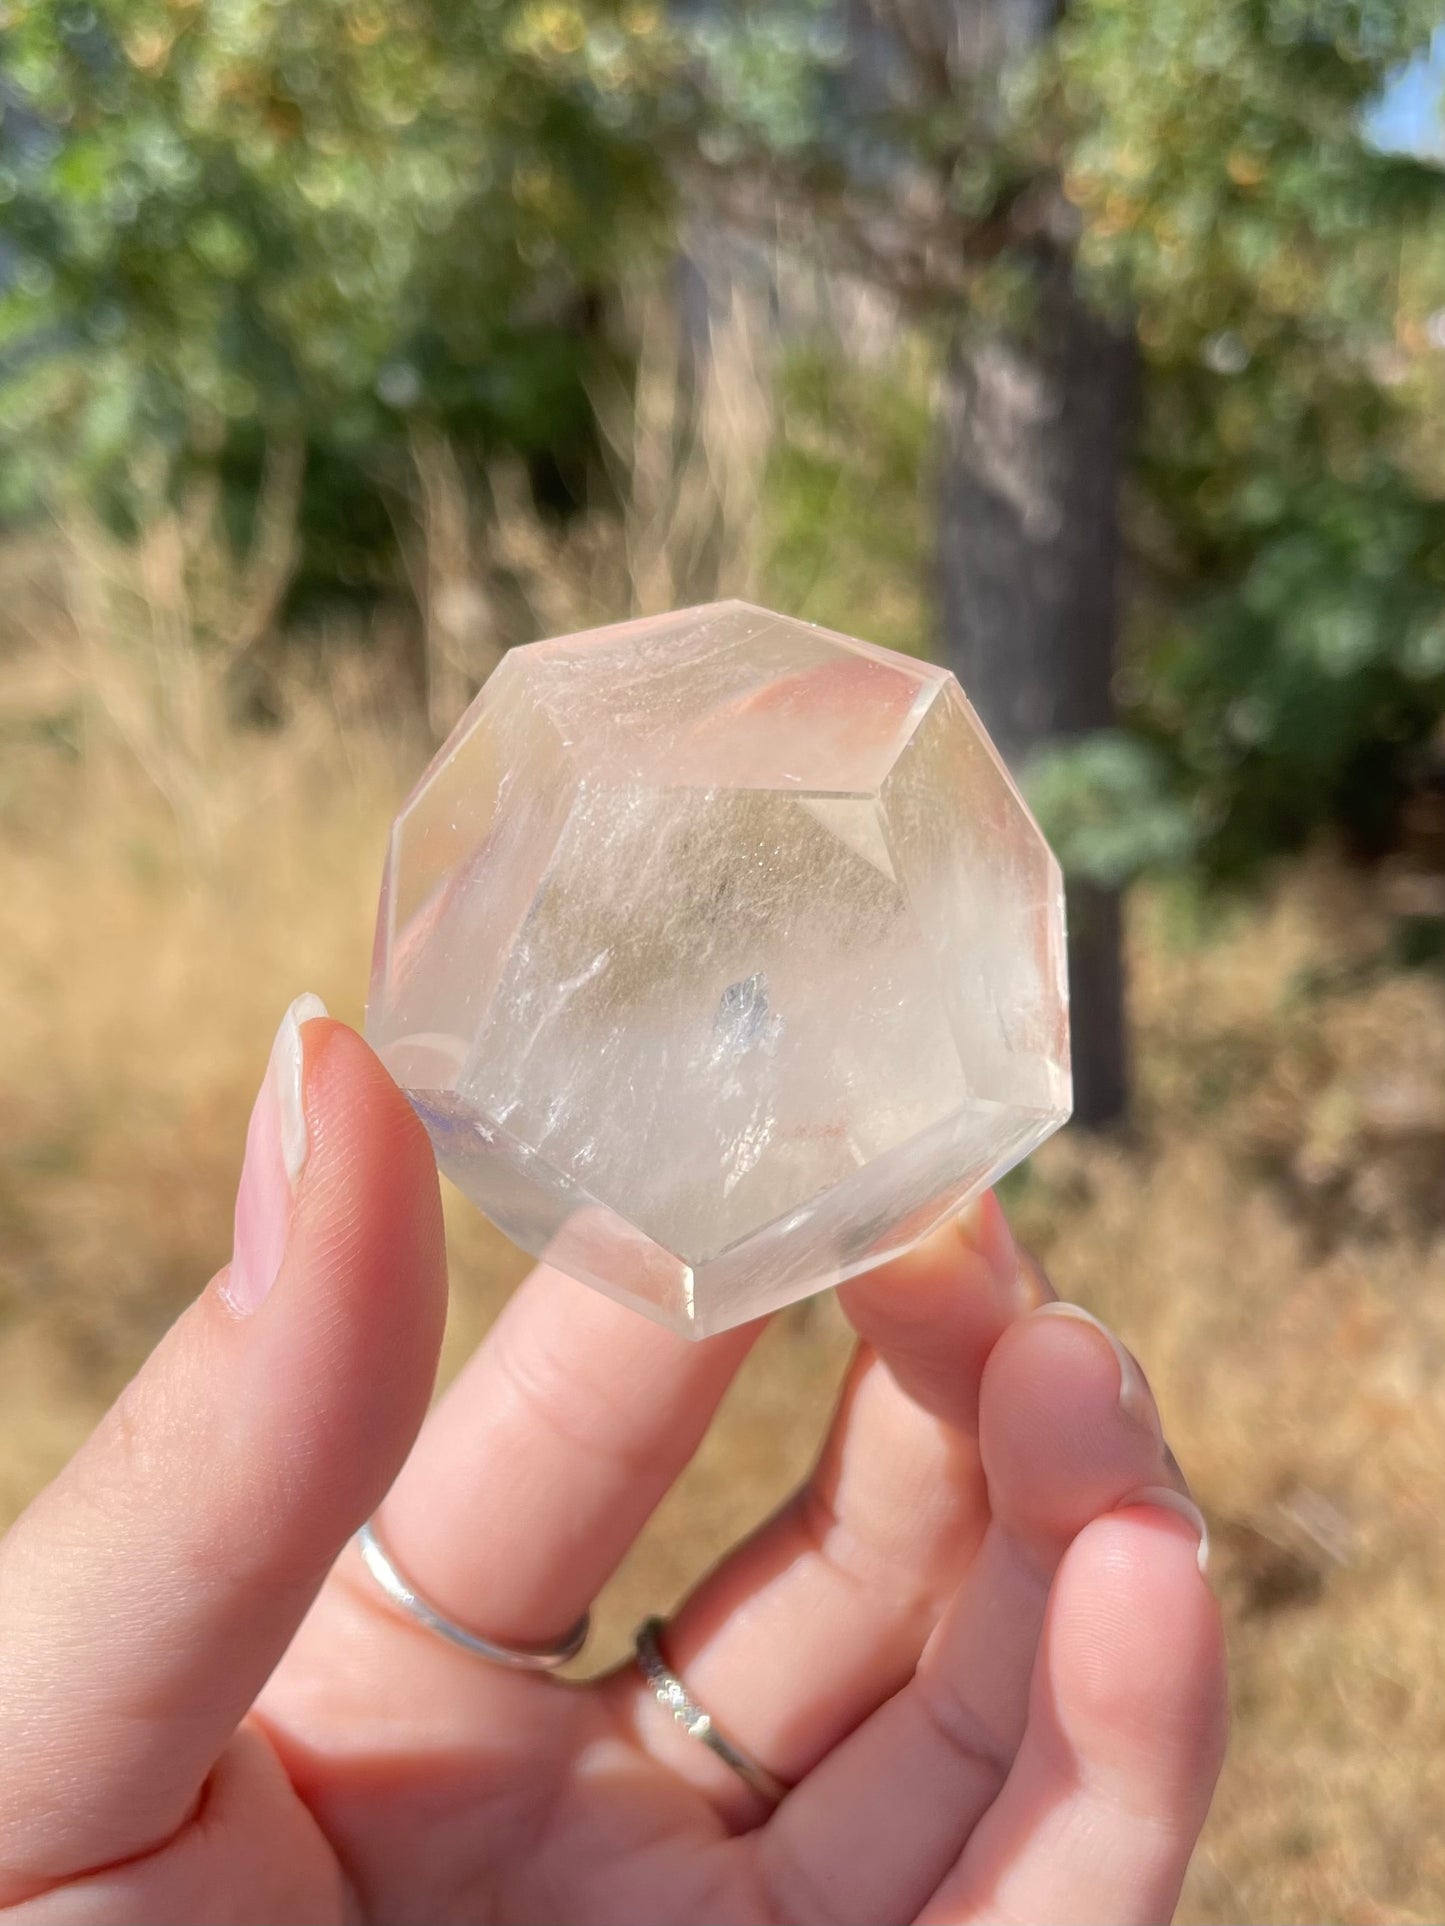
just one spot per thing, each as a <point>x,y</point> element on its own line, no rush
<point>1269,1237</point>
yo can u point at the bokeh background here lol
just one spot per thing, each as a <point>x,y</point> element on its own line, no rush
<point>1098,350</point>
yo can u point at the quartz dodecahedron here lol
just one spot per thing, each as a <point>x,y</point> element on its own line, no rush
<point>721,959</point>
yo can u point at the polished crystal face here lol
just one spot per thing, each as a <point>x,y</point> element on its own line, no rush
<point>721,959</point>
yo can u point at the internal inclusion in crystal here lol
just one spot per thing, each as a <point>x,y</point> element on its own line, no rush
<point>721,959</point>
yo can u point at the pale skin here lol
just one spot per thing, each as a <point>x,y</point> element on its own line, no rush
<point>977,1645</point>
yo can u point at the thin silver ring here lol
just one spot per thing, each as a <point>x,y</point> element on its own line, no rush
<point>673,1696</point>
<point>404,1595</point>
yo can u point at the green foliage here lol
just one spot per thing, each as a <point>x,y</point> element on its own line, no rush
<point>1289,541</point>
<point>309,220</point>
<point>1286,595</point>
<point>759,76</point>
<point>1295,688</point>
<point>846,527</point>
<point>327,221</point>
<point>1109,807</point>
<point>1217,157</point>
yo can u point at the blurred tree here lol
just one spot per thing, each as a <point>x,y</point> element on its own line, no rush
<point>310,223</point>
<point>1288,529</point>
<point>1178,193</point>
<point>952,192</point>
<point>1033,436</point>
<point>242,234</point>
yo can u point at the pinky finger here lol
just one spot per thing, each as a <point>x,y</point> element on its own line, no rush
<point>1104,1803</point>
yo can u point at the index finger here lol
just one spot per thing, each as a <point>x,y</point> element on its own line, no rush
<point>147,1594</point>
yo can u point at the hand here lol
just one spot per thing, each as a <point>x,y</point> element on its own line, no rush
<point>977,1643</point>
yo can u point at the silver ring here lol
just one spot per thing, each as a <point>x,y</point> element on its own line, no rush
<point>673,1696</point>
<point>402,1593</point>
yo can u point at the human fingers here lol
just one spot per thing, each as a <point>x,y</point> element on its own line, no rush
<point>536,1471</point>
<point>822,1614</point>
<point>1126,1732</point>
<point>1068,1431</point>
<point>146,1595</point>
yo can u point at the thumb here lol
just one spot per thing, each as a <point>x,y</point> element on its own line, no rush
<point>147,1594</point>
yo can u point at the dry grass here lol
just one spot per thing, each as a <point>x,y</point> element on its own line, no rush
<point>1273,1245</point>
<point>1271,1238</point>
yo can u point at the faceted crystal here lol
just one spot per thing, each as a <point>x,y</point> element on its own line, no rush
<point>721,959</point>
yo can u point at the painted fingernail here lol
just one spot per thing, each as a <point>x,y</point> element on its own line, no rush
<point>276,1149</point>
<point>1170,1500</point>
<point>1136,1400</point>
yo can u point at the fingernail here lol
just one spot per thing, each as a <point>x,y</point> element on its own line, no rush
<point>1170,1500</point>
<point>1135,1398</point>
<point>1173,1466</point>
<point>983,1225</point>
<point>1034,1287</point>
<point>276,1149</point>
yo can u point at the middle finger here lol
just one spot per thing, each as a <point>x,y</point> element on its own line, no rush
<point>538,1468</point>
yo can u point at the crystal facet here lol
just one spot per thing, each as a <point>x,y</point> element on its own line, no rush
<point>721,959</point>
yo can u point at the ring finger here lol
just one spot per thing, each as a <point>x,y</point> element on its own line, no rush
<point>809,1629</point>
<point>811,1623</point>
<point>533,1475</point>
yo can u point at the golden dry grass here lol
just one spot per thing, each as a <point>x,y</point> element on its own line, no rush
<point>1270,1238</point>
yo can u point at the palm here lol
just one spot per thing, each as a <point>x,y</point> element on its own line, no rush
<point>975,1645</point>
<point>450,1791</point>
<point>521,1798</point>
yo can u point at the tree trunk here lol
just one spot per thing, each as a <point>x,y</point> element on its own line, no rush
<point>1033,431</point>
